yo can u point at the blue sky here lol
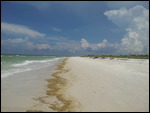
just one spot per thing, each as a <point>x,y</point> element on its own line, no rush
<point>74,27</point>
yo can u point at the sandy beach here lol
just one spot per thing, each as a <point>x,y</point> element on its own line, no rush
<point>82,84</point>
<point>110,85</point>
<point>19,91</point>
<point>72,56</point>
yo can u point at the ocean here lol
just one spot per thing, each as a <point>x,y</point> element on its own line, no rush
<point>12,64</point>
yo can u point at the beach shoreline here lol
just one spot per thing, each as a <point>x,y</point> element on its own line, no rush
<point>94,85</point>
<point>56,97</point>
<point>19,91</point>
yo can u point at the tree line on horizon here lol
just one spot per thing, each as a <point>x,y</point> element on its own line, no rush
<point>119,56</point>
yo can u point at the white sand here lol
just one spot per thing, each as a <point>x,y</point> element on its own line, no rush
<point>97,84</point>
<point>110,85</point>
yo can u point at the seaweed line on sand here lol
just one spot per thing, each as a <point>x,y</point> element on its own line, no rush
<point>56,88</point>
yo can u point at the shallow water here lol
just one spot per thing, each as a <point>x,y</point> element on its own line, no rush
<point>12,64</point>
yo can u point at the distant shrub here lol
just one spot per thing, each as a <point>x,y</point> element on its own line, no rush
<point>118,56</point>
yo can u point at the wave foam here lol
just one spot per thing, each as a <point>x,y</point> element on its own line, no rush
<point>27,66</point>
<point>27,62</point>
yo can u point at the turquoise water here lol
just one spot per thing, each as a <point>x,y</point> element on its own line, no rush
<point>11,64</point>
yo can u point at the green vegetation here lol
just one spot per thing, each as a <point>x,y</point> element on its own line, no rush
<point>119,56</point>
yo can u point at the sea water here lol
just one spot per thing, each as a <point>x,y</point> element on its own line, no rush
<point>12,64</point>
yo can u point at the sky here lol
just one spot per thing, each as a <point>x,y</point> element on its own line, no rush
<point>72,28</point>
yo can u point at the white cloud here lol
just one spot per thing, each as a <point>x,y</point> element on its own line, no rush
<point>19,30</point>
<point>56,29</point>
<point>98,47</point>
<point>127,4</point>
<point>84,43</point>
<point>32,46</point>
<point>17,40</point>
<point>135,21</point>
<point>68,45</point>
<point>42,46</point>
<point>56,38</point>
<point>13,44</point>
<point>61,45</point>
<point>24,44</point>
<point>103,44</point>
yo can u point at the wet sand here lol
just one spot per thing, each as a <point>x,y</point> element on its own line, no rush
<point>56,98</point>
<point>19,91</point>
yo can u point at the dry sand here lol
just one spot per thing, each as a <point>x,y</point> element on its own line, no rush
<point>84,84</point>
<point>110,85</point>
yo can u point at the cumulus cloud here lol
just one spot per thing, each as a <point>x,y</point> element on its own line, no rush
<point>42,46</point>
<point>24,44</point>
<point>19,30</point>
<point>69,45</point>
<point>103,44</point>
<point>103,47</point>
<point>135,21</point>
<point>84,43</point>
<point>127,4</point>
